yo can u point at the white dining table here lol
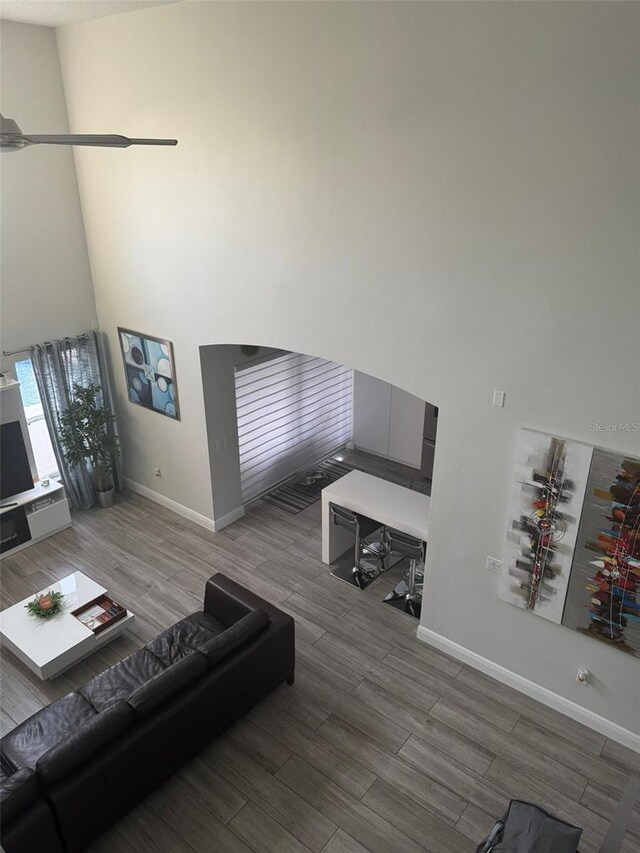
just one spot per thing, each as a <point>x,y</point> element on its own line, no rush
<point>392,505</point>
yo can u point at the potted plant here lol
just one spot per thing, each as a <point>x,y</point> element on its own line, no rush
<point>45,605</point>
<point>86,435</point>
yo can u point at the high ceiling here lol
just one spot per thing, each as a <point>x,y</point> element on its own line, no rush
<point>55,13</point>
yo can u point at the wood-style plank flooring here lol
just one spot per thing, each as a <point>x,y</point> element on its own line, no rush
<point>382,745</point>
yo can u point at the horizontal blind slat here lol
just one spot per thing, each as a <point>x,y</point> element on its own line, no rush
<point>291,411</point>
<point>284,440</point>
<point>293,385</point>
<point>283,468</point>
<point>284,414</point>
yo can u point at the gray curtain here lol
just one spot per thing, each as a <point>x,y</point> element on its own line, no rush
<point>58,366</point>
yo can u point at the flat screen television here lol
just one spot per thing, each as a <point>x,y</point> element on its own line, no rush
<point>15,473</point>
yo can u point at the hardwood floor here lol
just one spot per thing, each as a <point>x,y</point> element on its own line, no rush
<point>383,745</point>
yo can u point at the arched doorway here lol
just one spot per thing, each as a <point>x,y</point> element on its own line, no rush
<point>272,414</point>
<point>285,429</point>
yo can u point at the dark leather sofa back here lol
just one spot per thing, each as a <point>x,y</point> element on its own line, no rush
<point>162,687</point>
<point>235,636</point>
<point>84,743</point>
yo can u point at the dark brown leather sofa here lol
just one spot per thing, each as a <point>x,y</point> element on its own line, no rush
<point>77,766</point>
<point>27,822</point>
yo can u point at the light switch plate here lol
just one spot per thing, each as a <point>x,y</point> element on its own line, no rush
<point>494,565</point>
<point>498,399</point>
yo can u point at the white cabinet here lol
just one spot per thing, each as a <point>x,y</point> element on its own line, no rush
<point>46,511</point>
<point>48,517</point>
<point>405,428</point>
<point>387,421</point>
<point>371,413</point>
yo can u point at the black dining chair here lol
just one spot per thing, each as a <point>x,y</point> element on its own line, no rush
<point>409,589</point>
<point>362,527</point>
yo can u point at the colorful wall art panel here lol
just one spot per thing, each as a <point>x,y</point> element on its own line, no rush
<point>603,598</point>
<point>546,501</point>
<point>150,372</point>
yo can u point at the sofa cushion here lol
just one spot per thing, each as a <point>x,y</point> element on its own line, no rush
<point>23,746</point>
<point>120,680</point>
<point>17,791</point>
<point>184,637</point>
<point>80,745</point>
<point>235,636</point>
<point>163,686</point>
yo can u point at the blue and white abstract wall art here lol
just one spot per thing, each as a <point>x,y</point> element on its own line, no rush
<point>150,372</point>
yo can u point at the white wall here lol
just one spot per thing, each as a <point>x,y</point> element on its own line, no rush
<point>443,195</point>
<point>46,280</point>
<point>219,389</point>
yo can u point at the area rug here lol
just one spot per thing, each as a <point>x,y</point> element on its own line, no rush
<point>293,496</point>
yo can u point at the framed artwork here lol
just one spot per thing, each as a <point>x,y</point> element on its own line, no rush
<point>150,372</point>
<point>573,538</point>
<point>604,589</point>
<point>546,501</point>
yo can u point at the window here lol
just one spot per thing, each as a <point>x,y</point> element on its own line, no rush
<point>292,411</point>
<point>38,431</point>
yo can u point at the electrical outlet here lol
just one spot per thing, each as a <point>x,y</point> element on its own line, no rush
<point>157,473</point>
<point>494,565</point>
<point>583,676</point>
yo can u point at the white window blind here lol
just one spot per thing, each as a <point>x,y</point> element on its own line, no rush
<point>292,411</point>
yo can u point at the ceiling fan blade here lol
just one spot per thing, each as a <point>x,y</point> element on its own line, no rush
<point>12,138</point>
<point>103,140</point>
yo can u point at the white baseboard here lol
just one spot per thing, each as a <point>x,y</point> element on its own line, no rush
<point>180,509</point>
<point>214,524</point>
<point>229,518</point>
<point>535,691</point>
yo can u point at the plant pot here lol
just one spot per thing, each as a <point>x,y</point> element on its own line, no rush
<point>106,498</point>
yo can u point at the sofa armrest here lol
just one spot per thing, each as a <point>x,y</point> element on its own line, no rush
<point>228,602</point>
<point>17,791</point>
<point>27,822</point>
<point>91,737</point>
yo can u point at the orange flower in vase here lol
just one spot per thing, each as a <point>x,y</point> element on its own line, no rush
<point>45,605</point>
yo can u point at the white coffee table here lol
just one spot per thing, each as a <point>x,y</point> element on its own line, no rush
<point>50,646</point>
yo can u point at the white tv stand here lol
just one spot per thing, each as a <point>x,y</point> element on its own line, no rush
<point>47,512</point>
